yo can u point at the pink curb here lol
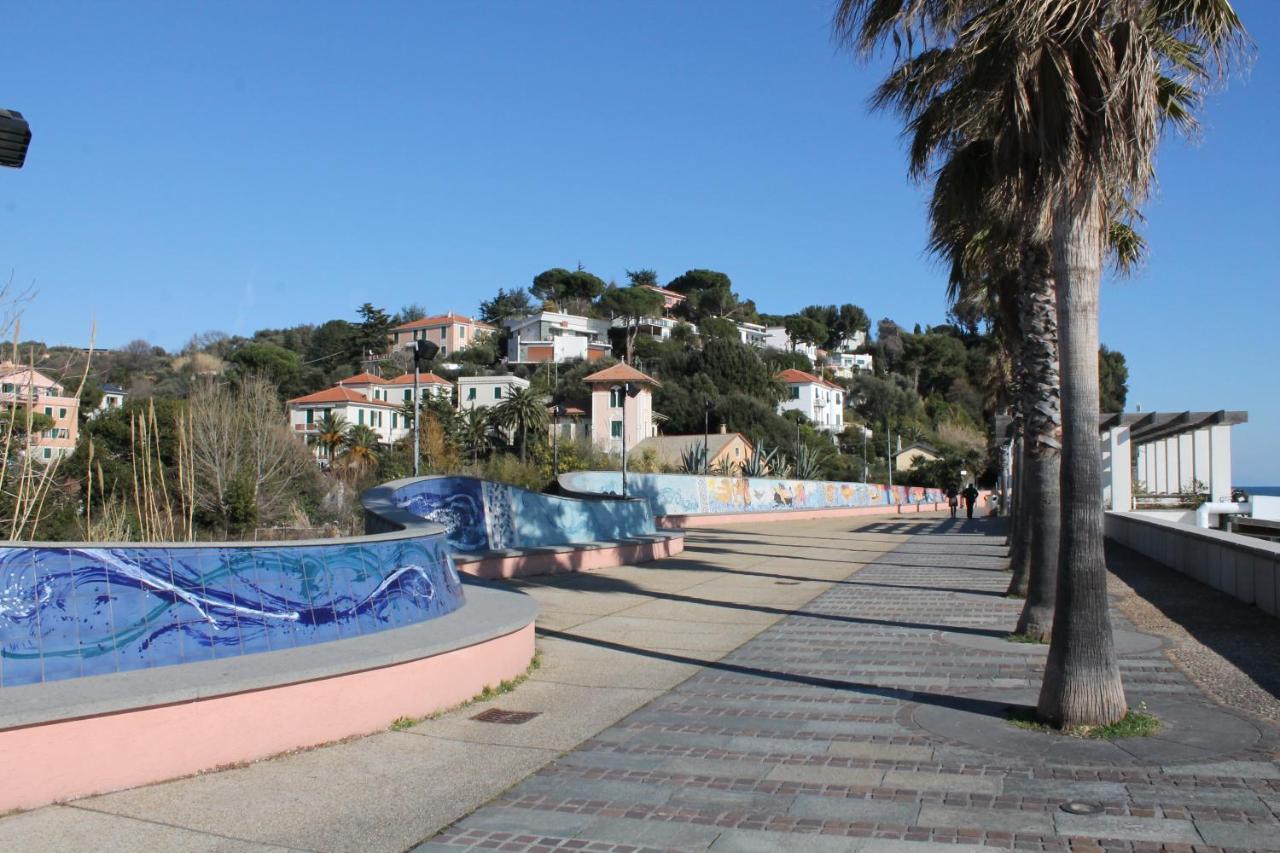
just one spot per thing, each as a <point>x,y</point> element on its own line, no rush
<point>64,760</point>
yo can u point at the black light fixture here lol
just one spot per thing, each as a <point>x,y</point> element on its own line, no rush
<point>15,138</point>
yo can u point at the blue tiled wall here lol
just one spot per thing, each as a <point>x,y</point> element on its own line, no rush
<point>683,494</point>
<point>482,515</point>
<point>67,612</point>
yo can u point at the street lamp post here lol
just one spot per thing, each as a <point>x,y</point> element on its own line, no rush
<point>422,351</point>
<point>625,389</point>
<point>706,437</point>
<point>555,441</point>
<point>15,138</point>
<point>866,475</point>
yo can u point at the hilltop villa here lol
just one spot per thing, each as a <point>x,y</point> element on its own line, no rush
<point>451,332</point>
<point>820,401</point>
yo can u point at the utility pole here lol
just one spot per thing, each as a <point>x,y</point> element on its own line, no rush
<point>888,449</point>
<point>865,468</point>
<point>626,387</point>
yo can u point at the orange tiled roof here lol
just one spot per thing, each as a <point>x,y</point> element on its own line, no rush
<point>442,320</point>
<point>425,378</point>
<point>791,376</point>
<point>363,379</point>
<point>620,373</point>
<point>338,394</point>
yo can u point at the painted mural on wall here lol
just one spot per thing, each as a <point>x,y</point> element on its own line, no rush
<point>681,494</point>
<point>483,515</point>
<point>78,611</point>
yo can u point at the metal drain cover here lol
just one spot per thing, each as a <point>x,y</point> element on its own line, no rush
<point>506,718</point>
<point>1080,807</point>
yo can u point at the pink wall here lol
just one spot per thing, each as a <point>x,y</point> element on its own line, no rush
<point>75,758</point>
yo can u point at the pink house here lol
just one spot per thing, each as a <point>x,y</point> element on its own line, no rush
<point>670,299</point>
<point>617,413</point>
<point>451,332</point>
<point>46,396</point>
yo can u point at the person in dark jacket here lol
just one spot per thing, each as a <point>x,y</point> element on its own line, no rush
<point>953,499</point>
<point>970,495</point>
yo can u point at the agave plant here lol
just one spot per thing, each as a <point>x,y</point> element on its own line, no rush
<point>808,463</point>
<point>757,464</point>
<point>723,468</point>
<point>693,459</point>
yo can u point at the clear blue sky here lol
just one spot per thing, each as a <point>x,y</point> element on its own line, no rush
<point>233,166</point>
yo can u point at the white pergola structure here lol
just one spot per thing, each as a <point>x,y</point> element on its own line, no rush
<point>1167,453</point>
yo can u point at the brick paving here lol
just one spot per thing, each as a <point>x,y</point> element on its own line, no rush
<point>806,738</point>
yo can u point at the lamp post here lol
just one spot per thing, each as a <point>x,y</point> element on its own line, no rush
<point>555,440</point>
<point>706,437</point>
<point>422,351</point>
<point>624,389</point>
<point>888,450</point>
<point>866,475</point>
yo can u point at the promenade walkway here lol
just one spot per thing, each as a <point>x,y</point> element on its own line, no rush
<point>822,685</point>
<point>874,720</point>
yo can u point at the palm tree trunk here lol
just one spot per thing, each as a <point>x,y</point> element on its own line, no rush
<point>1082,677</point>
<point>1020,537</point>
<point>1043,430</point>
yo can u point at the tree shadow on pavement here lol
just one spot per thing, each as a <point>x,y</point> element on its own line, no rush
<point>960,703</point>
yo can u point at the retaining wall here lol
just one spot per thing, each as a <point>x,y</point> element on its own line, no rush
<point>689,496</point>
<point>1247,569</point>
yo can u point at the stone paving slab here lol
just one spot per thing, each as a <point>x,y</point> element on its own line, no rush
<point>810,737</point>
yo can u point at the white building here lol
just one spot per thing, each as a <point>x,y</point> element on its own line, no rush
<point>481,392</point>
<point>550,336</point>
<point>751,334</point>
<point>820,401</point>
<point>776,337</point>
<point>845,364</point>
<point>384,417</point>
<point>400,389</point>
<point>852,343</point>
<point>112,398</point>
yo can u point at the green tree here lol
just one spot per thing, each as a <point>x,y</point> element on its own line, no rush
<point>631,305</point>
<point>523,412</point>
<point>505,305</point>
<point>374,332</point>
<point>1113,380</point>
<point>331,433</point>
<point>719,327</point>
<point>707,293</point>
<point>571,290</point>
<point>804,330</point>
<point>643,278</point>
<point>409,313</point>
<point>360,451</point>
<point>281,366</point>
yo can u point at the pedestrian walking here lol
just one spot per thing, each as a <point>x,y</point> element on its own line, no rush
<point>970,495</point>
<point>953,499</point>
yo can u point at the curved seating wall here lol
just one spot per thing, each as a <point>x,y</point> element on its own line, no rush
<point>70,610</point>
<point>684,494</point>
<point>481,515</point>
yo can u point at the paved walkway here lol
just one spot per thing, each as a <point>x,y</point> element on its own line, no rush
<point>823,685</point>
<point>873,720</point>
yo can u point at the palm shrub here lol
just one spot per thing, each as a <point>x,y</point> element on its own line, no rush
<point>360,450</point>
<point>331,433</point>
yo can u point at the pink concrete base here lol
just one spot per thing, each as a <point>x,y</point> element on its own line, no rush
<point>74,758</point>
<point>680,522</point>
<point>585,560</point>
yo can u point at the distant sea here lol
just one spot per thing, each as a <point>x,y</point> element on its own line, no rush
<point>1261,490</point>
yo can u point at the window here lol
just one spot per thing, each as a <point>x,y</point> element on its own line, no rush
<point>48,410</point>
<point>393,420</point>
<point>408,394</point>
<point>46,453</point>
<point>62,413</point>
<point>360,416</point>
<point>471,393</point>
<point>8,387</point>
<point>311,416</point>
<point>616,398</point>
<point>737,451</point>
<point>795,392</point>
<point>497,393</point>
<point>444,350</point>
<point>615,429</point>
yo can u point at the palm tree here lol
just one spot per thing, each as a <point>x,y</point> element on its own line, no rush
<point>1073,94</point>
<point>524,410</point>
<point>331,430</point>
<point>475,433</point>
<point>360,454</point>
